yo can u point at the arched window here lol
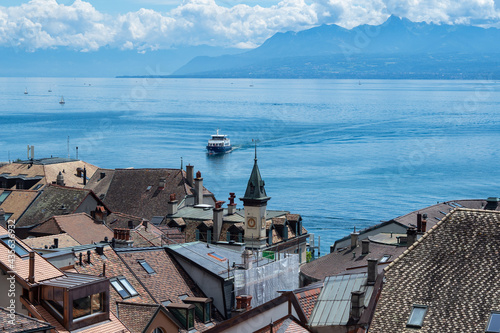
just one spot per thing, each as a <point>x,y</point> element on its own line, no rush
<point>158,330</point>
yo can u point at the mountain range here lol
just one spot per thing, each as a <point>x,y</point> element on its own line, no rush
<point>398,48</point>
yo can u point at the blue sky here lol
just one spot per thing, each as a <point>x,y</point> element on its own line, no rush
<point>145,25</point>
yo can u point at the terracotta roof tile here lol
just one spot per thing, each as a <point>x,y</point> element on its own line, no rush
<point>80,226</point>
<point>22,323</point>
<point>136,316</point>
<point>307,299</point>
<point>64,240</point>
<point>17,202</point>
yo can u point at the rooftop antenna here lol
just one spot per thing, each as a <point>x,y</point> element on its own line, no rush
<point>68,146</point>
<point>181,163</point>
<point>255,142</point>
<point>76,152</point>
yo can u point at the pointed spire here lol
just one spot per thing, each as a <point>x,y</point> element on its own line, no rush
<point>255,188</point>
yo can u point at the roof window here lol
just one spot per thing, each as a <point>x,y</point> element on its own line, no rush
<point>216,256</point>
<point>385,258</point>
<point>123,287</point>
<point>494,323</point>
<point>146,266</point>
<point>4,196</point>
<point>417,316</point>
<point>20,251</point>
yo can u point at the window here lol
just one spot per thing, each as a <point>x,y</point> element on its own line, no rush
<point>4,196</point>
<point>157,330</point>
<point>87,306</point>
<point>494,323</point>
<point>385,258</point>
<point>165,303</point>
<point>183,297</point>
<point>123,287</point>
<point>417,316</point>
<point>7,216</point>
<point>20,251</point>
<point>216,256</point>
<point>146,266</point>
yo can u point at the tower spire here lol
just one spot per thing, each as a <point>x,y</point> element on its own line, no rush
<point>255,141</point>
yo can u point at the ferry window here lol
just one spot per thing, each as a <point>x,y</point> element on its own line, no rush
<point>417,316</point>
<point>20,251</point>
<point>146,266</point>
<point>494,323</point>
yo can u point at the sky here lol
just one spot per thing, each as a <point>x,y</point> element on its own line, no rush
<point>146,25</point>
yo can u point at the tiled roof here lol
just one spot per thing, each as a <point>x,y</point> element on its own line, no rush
<point>64,240</point>
<point>137,191</point>
<point>22,323</point>
<point>307,297</point>
<point>114,267</point>
<point>136,316</point>
<point>171,235</point>
<point>17,202</point>
<point>121,220</point>
<point>80,226</point>
<point>43,269</point>
<point>339,261</point>
<point>51,202</point>
<point>454,269</point>
<point>49,169</point>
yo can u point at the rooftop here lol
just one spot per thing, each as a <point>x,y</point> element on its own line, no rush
<point>22,323</point>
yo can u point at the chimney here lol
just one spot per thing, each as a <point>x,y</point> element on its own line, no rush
<point>103,174</point>
<point>411,236</point>
<point>189,174</point>
<point>32,152</point>
<point>231,207</point>
<point>60,179</point>
<point>145,224</point>
<point>84,176</point>
<point>99,250</point>
<point>357,304</point>
<point>88,256</point>
<point>172,205</point>
<point>104,269</point>
<point>198,188</point>
<point>162,183</point>
<point>243,303</point>
<point>56,243</point>
<point>365,247</point>
<point>122,238</point>
<point>81,259</point>
<point>372,272</point>
<point>217,218</point>
<point>354,239</point>
<point>424,222</point>
<point>247,259</point>
<point>131,224</point>
<point>419,222</point>
<point>31,271</point>
<point>79,172</point>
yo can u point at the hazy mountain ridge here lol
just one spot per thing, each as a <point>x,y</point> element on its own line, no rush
<point>433,49</point>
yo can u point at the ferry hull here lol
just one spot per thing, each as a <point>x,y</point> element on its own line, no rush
<point>218,150</point>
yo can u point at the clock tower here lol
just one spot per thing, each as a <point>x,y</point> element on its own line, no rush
<point>255,203</point>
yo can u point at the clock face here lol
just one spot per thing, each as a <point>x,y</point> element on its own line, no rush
<point>251,222</point>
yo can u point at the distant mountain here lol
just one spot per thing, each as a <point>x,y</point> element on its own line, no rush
<point>106,62</point>
<point>396,48</point>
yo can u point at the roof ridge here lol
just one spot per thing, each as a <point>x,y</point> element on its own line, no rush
<point>425,235</point>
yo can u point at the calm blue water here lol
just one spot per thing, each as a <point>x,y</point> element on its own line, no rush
<point>339,153</point>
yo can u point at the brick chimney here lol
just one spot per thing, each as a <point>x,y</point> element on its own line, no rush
<point>424,222</point>
<point>419,222</point>
<point>172,205</point>
<point>122,238</point>
<point>411,236</point>
<point>217,218</point>
<point>372,271</point>
<point>365,247</point>
<point>31,271</point>
<point>243,303</point>
<point>198,188</point>
<point>354,239</point>
<point>189,174</point>
<point>357,304</point>
<point>231,207</point>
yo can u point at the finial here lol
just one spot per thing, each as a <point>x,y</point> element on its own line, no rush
<point>181,163</point>
<point>255,142</point>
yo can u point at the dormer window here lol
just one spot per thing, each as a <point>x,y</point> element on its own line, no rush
<point>493,323</point>
<point>184,313</point>
<point>203,307</point>
<point>417,316</point>
<point>146,266</point>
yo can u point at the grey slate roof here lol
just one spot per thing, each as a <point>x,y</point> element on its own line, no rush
<point>454,269</point>
<point>255,187</point>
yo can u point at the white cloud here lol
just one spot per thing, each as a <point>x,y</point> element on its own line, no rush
<point>48,24</point>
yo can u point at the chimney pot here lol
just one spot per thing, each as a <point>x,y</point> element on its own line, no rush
<point>81,259</point>
<point>56,243</point>
<point>365,247</point>
<point>172,197</point>
<point>372,271</point>
<point>419,222</point>
<point>424,225</point>
<point>411,236</point>
<point>172,205</point>
<point>31,271</point>
<point>243,302</point>
<point>88,256</point>
<point>198,174</point>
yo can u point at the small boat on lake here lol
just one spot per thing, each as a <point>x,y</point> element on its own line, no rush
<point>26,91</point>
<point>62,102</point>
<point>219,143</point>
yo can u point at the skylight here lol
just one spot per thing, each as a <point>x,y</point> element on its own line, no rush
<point>494,323</point>
<point>146,266</point>
<point>20,251</point>
<point>4,196</point>
<point>385,258</point>
<point>417,316</point>
<point>123,287</point>
<point>216,256</point>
